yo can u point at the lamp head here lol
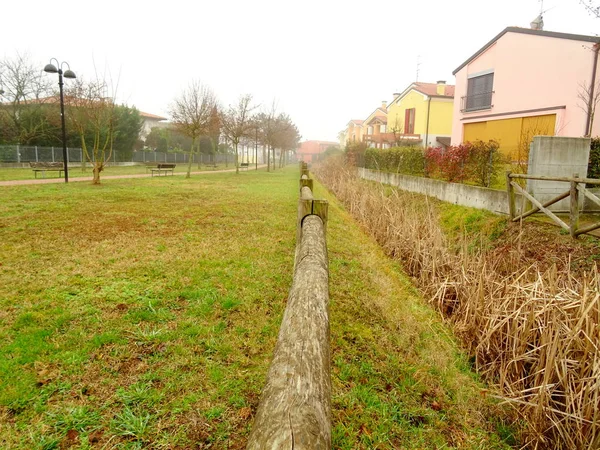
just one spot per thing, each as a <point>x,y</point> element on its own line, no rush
<point>69,74</point>
<point>50,68</point>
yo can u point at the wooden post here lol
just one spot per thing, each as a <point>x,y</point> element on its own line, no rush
<point>306,183</point>
<point>295,406</point>
<point>574,210</point>
<point>512,212</point>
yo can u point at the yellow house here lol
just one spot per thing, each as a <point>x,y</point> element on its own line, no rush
<point>421,114</point>
<point>353,132</point>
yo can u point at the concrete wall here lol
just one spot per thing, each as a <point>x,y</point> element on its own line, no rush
<point>459,194</point>
<point>556,157</point>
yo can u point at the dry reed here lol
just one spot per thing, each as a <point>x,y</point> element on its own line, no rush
<point>534,332</point>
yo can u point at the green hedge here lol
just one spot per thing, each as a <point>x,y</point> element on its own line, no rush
<point>594,163</point>
<point>406,160</point>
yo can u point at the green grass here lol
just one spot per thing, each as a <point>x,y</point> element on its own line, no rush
<point>143,314</point>
<point>75,171</point>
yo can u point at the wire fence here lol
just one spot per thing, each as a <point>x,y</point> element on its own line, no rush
<point>25,154</point>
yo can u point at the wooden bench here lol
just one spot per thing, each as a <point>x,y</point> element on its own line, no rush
<point>150,165</point>
<point>164,168</point>
<point>244,165</point>
<point>47,167</point>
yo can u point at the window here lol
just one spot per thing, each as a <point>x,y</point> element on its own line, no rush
<point>370,130</point>
<point>382,129</point>
<point>479,93</point>
<point>409,121</point>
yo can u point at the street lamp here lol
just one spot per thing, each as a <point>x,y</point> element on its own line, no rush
<point>51,68</point>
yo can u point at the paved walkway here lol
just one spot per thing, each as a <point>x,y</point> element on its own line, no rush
<point>106,177</point>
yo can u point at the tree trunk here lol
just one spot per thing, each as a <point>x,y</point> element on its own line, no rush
<point>237,166</point>
<point>98,167</point>
<point>264,154</point>
<point>189,171</point>
<point>269,159</point>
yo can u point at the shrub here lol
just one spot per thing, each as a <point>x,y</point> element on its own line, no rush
<point>449,163</point>
<point>355,153</point>
<point>594,162</point>
<point>406,160</point>
<point>477,162</point>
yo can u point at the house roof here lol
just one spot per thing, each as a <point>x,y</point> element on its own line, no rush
<point>381,119</point>
<point>552,34</point>
<point>430,89</point>
<point>151,116</point>
<point>356,122</point>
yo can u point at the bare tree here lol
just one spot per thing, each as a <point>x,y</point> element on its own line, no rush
<point>26,89</point>
<point>592,8</point>
<point>91,110</point>
<point>191,113</point>
<point>588,97</point>
<point>237,123</point>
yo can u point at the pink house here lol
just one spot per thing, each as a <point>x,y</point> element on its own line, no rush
<point>527,82</point>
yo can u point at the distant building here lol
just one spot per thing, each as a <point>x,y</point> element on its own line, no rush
<point>151,121</point>
<point>310,151</point>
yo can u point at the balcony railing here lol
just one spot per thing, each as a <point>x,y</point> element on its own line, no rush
<point>476,102</point>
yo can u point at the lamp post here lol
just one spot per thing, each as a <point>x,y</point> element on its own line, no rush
<point>51,68</point>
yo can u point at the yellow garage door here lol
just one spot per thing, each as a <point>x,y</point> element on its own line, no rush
<point>513,135</point>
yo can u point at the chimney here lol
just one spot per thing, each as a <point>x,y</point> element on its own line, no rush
<point>441,88</point>
<point>383,104</point>
<point>396,95</point>
<point>538,23</point>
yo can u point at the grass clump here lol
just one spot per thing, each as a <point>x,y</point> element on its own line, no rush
<point>525,301</point>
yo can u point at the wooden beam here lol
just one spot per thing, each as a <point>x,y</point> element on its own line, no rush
<point>565,179</point>
<point>512,210</point>
<point>295,406</point>
<point>589,195</point>
<point>541,207</point>
<point>588,228</point>
<point>546,204</point>
<point>574,207</point>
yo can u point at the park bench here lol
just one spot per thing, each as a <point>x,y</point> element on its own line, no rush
<point>47,167</point>
<point>244,165</point>
<point>164,168</point>
<point>211,165</point>
<point>150,165</point>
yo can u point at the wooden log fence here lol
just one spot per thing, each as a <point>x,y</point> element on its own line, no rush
<point>577,190</point>
<point>295,406</point>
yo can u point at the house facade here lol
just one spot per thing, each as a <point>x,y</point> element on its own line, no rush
<point>524,83</point>
<point>374,128</point>
<point>421,115</point>
<point>151,121</point>
<point>354,131</point>
<point>310,151</point>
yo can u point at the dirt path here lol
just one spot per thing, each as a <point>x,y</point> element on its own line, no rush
<point>107,177</point>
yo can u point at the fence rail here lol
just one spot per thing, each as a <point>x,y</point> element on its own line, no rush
<point>295,406</point>
<point>25,154</point>
<point>577,192</point>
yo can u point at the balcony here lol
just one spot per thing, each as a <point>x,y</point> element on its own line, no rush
<point>476,102</point>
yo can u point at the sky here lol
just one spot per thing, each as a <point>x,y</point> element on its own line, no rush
<point>323,62</point>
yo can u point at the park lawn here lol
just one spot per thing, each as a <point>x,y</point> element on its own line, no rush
<point>143,313</point>
<point>75,171</point>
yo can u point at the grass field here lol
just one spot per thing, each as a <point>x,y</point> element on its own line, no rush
<point>143,314</point>
<point>8,174</point>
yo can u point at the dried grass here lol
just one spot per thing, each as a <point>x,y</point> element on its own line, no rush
<point>534,330</point>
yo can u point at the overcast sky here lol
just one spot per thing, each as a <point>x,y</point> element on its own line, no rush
<point>324,61</point>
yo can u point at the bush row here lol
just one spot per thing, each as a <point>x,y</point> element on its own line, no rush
<point>475,162</point>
